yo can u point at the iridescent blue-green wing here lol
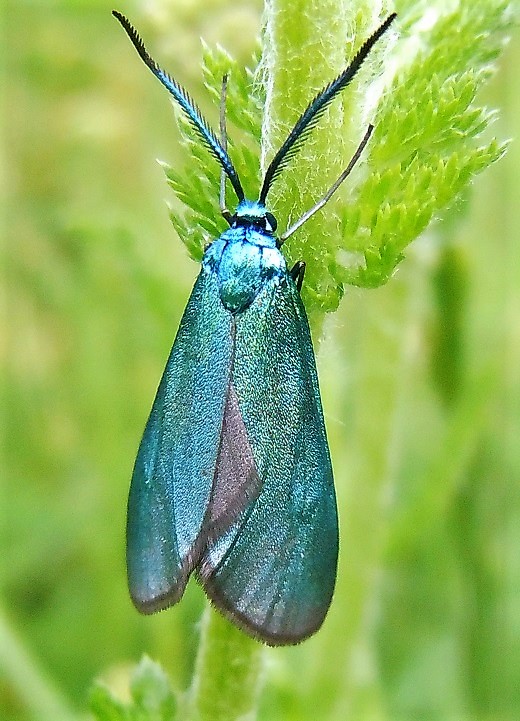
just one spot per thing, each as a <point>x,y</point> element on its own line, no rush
<point>175,466</point>
<point>273,571</point>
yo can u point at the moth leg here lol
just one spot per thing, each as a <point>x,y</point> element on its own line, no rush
<point>297,272</point>
<point>223,140</point>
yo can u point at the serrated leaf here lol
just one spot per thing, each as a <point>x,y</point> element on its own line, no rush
<point>424,152</point>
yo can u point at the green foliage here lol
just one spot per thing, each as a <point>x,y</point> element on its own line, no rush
<point>428,145</point>
<point>224,687</point>
<point>420,378</point>
<point>151,697</point>
<point>429,139</point>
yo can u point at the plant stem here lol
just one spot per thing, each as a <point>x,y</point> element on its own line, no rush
<point>304,49</point>
<point>31,686</point>
<point>227,674</point>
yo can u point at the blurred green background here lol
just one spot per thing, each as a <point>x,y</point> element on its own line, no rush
<point>420,381</point>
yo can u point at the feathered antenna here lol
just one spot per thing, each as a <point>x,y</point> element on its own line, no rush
<point>187,105</point>
<point>315,110</point>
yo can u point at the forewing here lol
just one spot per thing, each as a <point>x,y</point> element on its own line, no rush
<point>175,466</point>
<point>273,571</point>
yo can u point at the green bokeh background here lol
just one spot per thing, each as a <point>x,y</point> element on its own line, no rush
<point>420,381</point>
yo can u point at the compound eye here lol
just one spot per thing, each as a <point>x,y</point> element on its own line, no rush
<point>270,222</point>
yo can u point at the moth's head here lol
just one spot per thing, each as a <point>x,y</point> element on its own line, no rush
<point>254,214</point>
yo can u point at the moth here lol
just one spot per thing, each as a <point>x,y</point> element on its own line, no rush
<point>233,478</point>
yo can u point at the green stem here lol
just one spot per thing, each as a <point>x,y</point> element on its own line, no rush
<point>226,683</point>
<point>305,46</point>
<point>27,681</point>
